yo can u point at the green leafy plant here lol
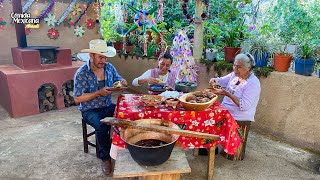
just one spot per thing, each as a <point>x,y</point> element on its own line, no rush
<point>117,37</point>
<point>262,71</point>
<point>281,50</point>
<point>258,46</point>
<point>221,66</point>
<point>132,39</point>
<point>230,19</point>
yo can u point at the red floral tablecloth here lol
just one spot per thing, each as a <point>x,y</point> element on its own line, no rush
<point>214,120</point>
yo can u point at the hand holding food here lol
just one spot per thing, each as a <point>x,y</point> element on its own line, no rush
<point>124,83</point>
<point>104,92</point>
<point>212,81</point>
<point>153,81</point>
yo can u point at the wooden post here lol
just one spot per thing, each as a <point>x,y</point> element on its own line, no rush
<point>198,31</point>
<point>211,163</point>
<point>20,30</point>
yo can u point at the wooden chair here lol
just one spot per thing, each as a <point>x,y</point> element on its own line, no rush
<point>86,142</point>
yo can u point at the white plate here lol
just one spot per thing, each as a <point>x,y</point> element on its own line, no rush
<point>170,94</point>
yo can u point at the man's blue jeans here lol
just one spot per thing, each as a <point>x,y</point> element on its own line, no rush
<point>93,117</point>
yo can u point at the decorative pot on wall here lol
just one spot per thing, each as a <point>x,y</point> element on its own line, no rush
<point>261,61</point>
<point>282,63</point>
<point>304,66</point>
<point>118,45</point>
<point>129,49</point>
<point>211,54</point>
<point>230,53</point>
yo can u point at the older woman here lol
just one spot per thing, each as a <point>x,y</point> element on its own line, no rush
<point>242,91</point>
<point>161,74</point>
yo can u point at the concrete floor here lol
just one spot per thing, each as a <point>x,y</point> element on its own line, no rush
<point>49,146</point>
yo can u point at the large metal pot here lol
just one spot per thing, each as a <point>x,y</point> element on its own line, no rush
<point>157,153</point>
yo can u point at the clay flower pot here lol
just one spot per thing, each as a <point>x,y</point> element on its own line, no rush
<point>282,63</point>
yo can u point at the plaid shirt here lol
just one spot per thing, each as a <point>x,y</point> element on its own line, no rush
<point>85,81</point>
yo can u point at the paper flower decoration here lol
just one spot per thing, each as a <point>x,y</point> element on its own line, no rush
<point>79,31</point>
<point>50,20</point>
<point>27,30</point>
<point>184,65</point>
<point>67,22</point>
<point>90,24</point>
<point>2,23</point>
<point>53,33</point>
<point>76,10</point>
<point>143,19</point>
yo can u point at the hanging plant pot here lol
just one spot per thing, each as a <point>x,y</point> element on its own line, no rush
<point>304,66</point>
<point>261,61</point>
<point>230,53</point>
<point>129,49</point>
<point>282,63</point>
<point>118,45</point>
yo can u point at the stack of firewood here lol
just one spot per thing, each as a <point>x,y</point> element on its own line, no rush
<point>46,98</point>
<point>67,92</point>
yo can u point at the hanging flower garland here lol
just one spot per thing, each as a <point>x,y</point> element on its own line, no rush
<point>84,12</point>
<point>67,22</point>
<point>50,20</point>
<point>67,12</point>
<point>53,33</point>
<point>90,24</point>
<point>27,5</point>
<point>49,8</point>
<point>160,11</point>
<point>2,24</point>
<point>184,5</point>
<point>76,10</point>
<point>79,31</point>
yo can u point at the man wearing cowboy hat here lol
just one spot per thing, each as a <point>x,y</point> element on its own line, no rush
<point>90,90</point>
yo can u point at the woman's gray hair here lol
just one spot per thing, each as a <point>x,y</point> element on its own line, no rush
<point>247,58</point>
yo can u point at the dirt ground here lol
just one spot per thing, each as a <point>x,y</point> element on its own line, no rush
<point>49,146</point>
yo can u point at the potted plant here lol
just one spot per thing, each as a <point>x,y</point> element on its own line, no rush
<point>117,41</point>
<point>282,59</point>
<point>259,48</point>
<point>131,41</point>
<point>231,22</point>
<point>211,52</point>
<point>305,58</point>
<point>153,49</point>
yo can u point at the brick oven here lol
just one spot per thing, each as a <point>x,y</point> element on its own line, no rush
<point>20,81</point>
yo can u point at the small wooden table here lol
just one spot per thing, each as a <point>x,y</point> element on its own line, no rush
<point>126,167</point>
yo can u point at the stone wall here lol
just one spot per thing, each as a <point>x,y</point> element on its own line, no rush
<point>288,108</point>
<point>38,37</point>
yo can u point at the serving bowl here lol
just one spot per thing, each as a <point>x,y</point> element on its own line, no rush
<point>192,106</point>
<point>185,86</point>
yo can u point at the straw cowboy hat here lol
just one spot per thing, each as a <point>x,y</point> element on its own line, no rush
<point>97,46</point>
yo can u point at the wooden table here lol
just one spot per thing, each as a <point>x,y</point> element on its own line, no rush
<point>214,120</point>
<point>126,167</point>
